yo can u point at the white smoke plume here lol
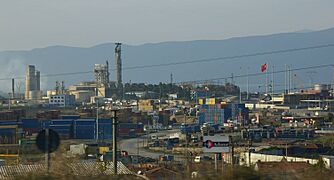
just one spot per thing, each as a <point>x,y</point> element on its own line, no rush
<point>12,68</point>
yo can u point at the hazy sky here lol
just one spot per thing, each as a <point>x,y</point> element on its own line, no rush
<point>27,24</point>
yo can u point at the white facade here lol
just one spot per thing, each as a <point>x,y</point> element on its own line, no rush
<point>62,100</point>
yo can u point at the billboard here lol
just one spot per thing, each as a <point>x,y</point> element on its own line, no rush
<point>216,144</point>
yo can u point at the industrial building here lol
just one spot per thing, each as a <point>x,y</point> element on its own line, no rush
<point>62,100</point>
<point>317,98</point>
<point>33,88</point>
<point>83,91</point>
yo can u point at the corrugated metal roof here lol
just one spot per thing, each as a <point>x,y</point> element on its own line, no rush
<point>82,169</point>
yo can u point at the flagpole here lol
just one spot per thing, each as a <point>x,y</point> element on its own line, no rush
<point>272,85</point>
<point>267,79</point>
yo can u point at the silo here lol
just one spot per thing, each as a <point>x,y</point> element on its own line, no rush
<point>38,80</point>
<point>30,80</point>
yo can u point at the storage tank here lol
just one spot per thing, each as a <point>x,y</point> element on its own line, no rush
<point>321,87</point>
<point>35,95</point>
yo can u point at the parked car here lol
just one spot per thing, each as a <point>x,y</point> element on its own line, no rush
<point>199,159</point>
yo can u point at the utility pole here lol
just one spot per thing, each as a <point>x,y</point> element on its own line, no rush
<point>97,119</point>
<point>171,80</point>
<point>332,84</point>
<point>290,79</point>
<point>232,78</point>
<point>13,88</point>
<point>247,84</point>
<point>9,99</point>
<point>114,136</point>
<point>240,100</point>
<point>285,79</point>
<point>47,152</point>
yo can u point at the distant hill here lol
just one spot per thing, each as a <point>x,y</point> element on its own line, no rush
<point>60,59</point>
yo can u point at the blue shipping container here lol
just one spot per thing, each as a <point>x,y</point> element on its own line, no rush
<point>62,122</point>
<point>70,117</point>
<point>105,130</point>
<point>84,129</point>
<point>31,123</point>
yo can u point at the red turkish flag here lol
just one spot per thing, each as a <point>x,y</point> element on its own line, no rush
<point>264,67</point>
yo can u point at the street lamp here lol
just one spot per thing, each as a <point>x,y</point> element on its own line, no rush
<point>114,136</point>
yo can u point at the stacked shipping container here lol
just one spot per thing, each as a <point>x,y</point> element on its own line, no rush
<point>9,134</point>
<point>221,113</point>
<point>66,128</point>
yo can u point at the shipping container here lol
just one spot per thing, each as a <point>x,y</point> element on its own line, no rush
<point>14,114</point>
<point>84,129</point>
<point>10,122</point>
<point>31,123</point>
<point>31,126</point>
<point>45,124</point>
<point>70,117</point>
<point>105,129</point>
<point>62,122</point>
<point>9,134</point>
<point>201,101</point>
<point>2,162</point>
<point>64,131</point>
<point>201,118</point>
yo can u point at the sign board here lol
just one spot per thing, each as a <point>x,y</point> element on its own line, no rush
<point>216,144</point>
<point>47,143</point>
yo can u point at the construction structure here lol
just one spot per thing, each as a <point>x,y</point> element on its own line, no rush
<point>33,88</point>
<point>101,73</point>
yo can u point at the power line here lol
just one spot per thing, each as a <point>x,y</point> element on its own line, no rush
<point>233,57</point>
<point>294,89</point>
<point>256,74</point>
<point>192,61</point>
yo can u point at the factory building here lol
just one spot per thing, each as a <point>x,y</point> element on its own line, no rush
<point>33,87</point>
<point>83,91</point>
<point>62,100</point>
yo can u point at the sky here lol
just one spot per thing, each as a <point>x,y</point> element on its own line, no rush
<point>28,24</point>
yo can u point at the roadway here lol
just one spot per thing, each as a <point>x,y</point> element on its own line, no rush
<point>135,146</point>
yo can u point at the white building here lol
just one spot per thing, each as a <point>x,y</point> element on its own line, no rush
<point>62,100</point>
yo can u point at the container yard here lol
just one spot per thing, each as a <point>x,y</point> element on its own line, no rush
<point>222,113</point>
<point>9,134</point>
<point>66,128</point>
<point>14,114</point>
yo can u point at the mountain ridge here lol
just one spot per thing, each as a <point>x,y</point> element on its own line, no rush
<point>60,59</point>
